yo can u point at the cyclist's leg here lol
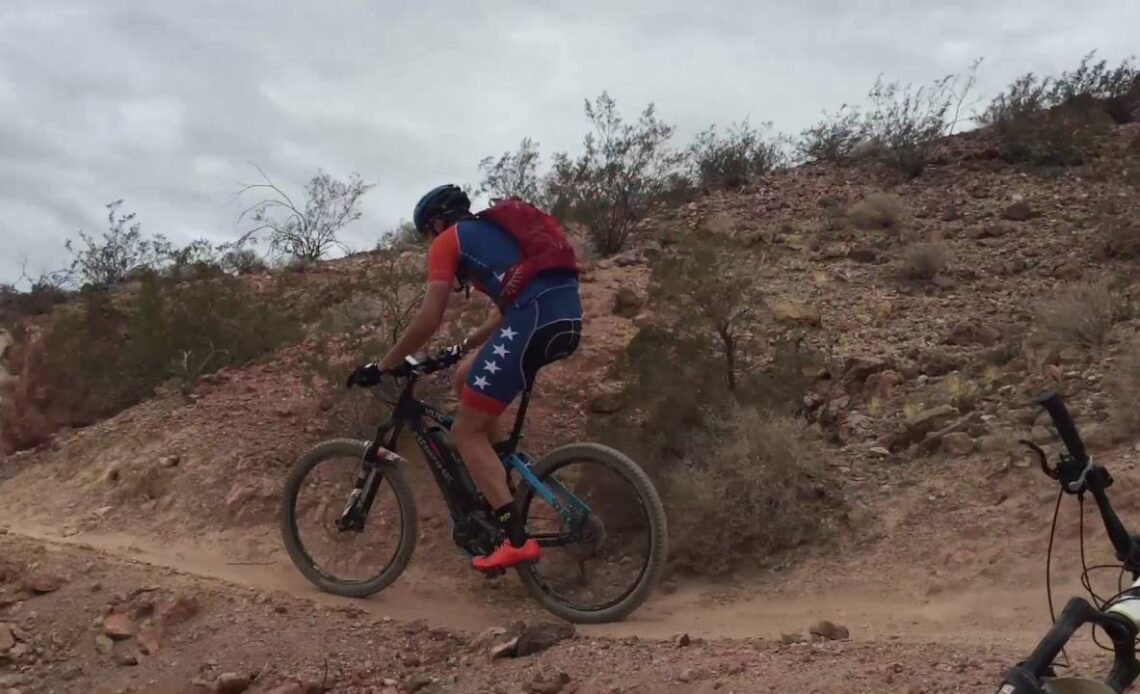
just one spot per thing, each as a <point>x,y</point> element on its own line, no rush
<point>494,381</point>
<point>530,337</point>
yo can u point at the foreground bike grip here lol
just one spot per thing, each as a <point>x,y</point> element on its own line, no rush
<point>1064,422</point>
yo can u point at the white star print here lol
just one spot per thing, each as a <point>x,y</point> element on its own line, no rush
<point>492,367</point>
<point>500,275</point>
<point>507,334</point>
<point>481,382</point>
<point>500,350</point>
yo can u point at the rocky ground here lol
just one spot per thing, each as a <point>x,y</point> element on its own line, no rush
<point>77,620</point>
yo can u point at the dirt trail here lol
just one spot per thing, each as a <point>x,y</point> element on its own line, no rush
<point>975,616</point>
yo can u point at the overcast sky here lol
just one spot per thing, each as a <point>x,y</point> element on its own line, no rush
<point>169,104</point>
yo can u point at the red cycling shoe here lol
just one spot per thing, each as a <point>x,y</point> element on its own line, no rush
<point>507,555</point>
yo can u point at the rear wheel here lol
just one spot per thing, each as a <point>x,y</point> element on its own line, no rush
<point>379,545</point>
<point>602,565</point>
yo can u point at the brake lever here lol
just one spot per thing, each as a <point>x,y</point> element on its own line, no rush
<point>1051,472</point>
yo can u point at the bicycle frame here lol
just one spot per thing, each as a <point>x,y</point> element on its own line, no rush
<point>451,476</point>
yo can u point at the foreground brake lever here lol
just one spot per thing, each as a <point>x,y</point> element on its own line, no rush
<point>1044,459</point>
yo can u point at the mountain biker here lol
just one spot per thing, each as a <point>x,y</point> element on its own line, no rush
<point>539,326</point>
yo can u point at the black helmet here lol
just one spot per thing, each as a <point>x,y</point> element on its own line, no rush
<point>447,201</point>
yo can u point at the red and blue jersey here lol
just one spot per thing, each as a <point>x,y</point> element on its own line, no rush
<point>480,252</point>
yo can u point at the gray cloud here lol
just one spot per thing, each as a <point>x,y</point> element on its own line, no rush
<point>169,104</point>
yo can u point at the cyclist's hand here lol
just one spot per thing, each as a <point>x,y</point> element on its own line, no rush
<point>365,376</point>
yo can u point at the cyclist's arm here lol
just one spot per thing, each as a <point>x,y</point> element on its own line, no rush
<point>443,261</point>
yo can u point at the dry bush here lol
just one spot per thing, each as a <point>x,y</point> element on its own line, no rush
<point>835,138</point>
<point>1080,314</point>
<point>923,261</point>
<point>1124,394</point>
<point>754,482</point>
<point>1056,120</point>
<point>877,211</point>
<point>740,155</point>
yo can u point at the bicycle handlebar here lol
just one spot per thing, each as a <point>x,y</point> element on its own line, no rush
<point>1065,428</point>
<point>1121,620</point>
<point>1117,622</point>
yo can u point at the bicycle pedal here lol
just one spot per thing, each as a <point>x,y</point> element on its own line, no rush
<point>491,574</point>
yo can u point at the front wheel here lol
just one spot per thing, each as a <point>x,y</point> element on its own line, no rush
<point>375,543</point>
<point>604,539</point>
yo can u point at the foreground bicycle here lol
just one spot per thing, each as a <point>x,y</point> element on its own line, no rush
<point>1118,616</point>
<point>586,554</point>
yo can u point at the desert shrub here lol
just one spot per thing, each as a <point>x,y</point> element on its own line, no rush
<point>1098,80</point>
<point>1124,394</point>
<point>908,123</point>
<point>705,286</point>
<point>1079,314</point>
<point>1056,121</point>
<point>402,237</point>
<point>514,174</point>
<point>758,480</point>
<point>43,294</point>
<point>106,353</point>
<point>923,261</point>
<point>877,211</point>
<point>307,230</point>
<point>241,260</point>
<point>1031,128</point>
<point>740,155</point>
<point>834,138</point>
<point>611,186</point>
<point>120,252</point>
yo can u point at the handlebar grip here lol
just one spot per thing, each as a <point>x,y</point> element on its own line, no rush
<point>1064,422</point>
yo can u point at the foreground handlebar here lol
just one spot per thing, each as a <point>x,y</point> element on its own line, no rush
<point>1055,406</point>
<point>1028,677</point>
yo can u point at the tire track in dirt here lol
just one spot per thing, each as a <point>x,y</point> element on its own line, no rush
<point>989,616</point>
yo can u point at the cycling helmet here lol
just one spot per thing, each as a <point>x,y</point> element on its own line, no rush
<point>447,201</point>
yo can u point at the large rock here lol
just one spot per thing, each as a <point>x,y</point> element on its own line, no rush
<point>43,581</point>
<point>927,421</point>
<point>118,626</point>
<point>935,362</point>
<point>879,385</point>
<point>958,444</point>
<point>182,609</point>
<point>1017,212</point>
<point>536,638</point>
<point>627,302</point>
<point>7,638</point>
<point>791,312</point>
<point>231,683</point>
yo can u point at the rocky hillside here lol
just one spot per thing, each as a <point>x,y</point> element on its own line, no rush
<point>935,309</point>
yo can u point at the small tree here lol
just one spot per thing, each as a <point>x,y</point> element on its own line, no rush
<point>121,251</point>
<point>742,154</point>
<point>705,284</point>
<point>514,174</point>
<point>308,231</point>
<point>611,186</point>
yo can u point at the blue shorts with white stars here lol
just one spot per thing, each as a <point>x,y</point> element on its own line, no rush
<point>530,336</point>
